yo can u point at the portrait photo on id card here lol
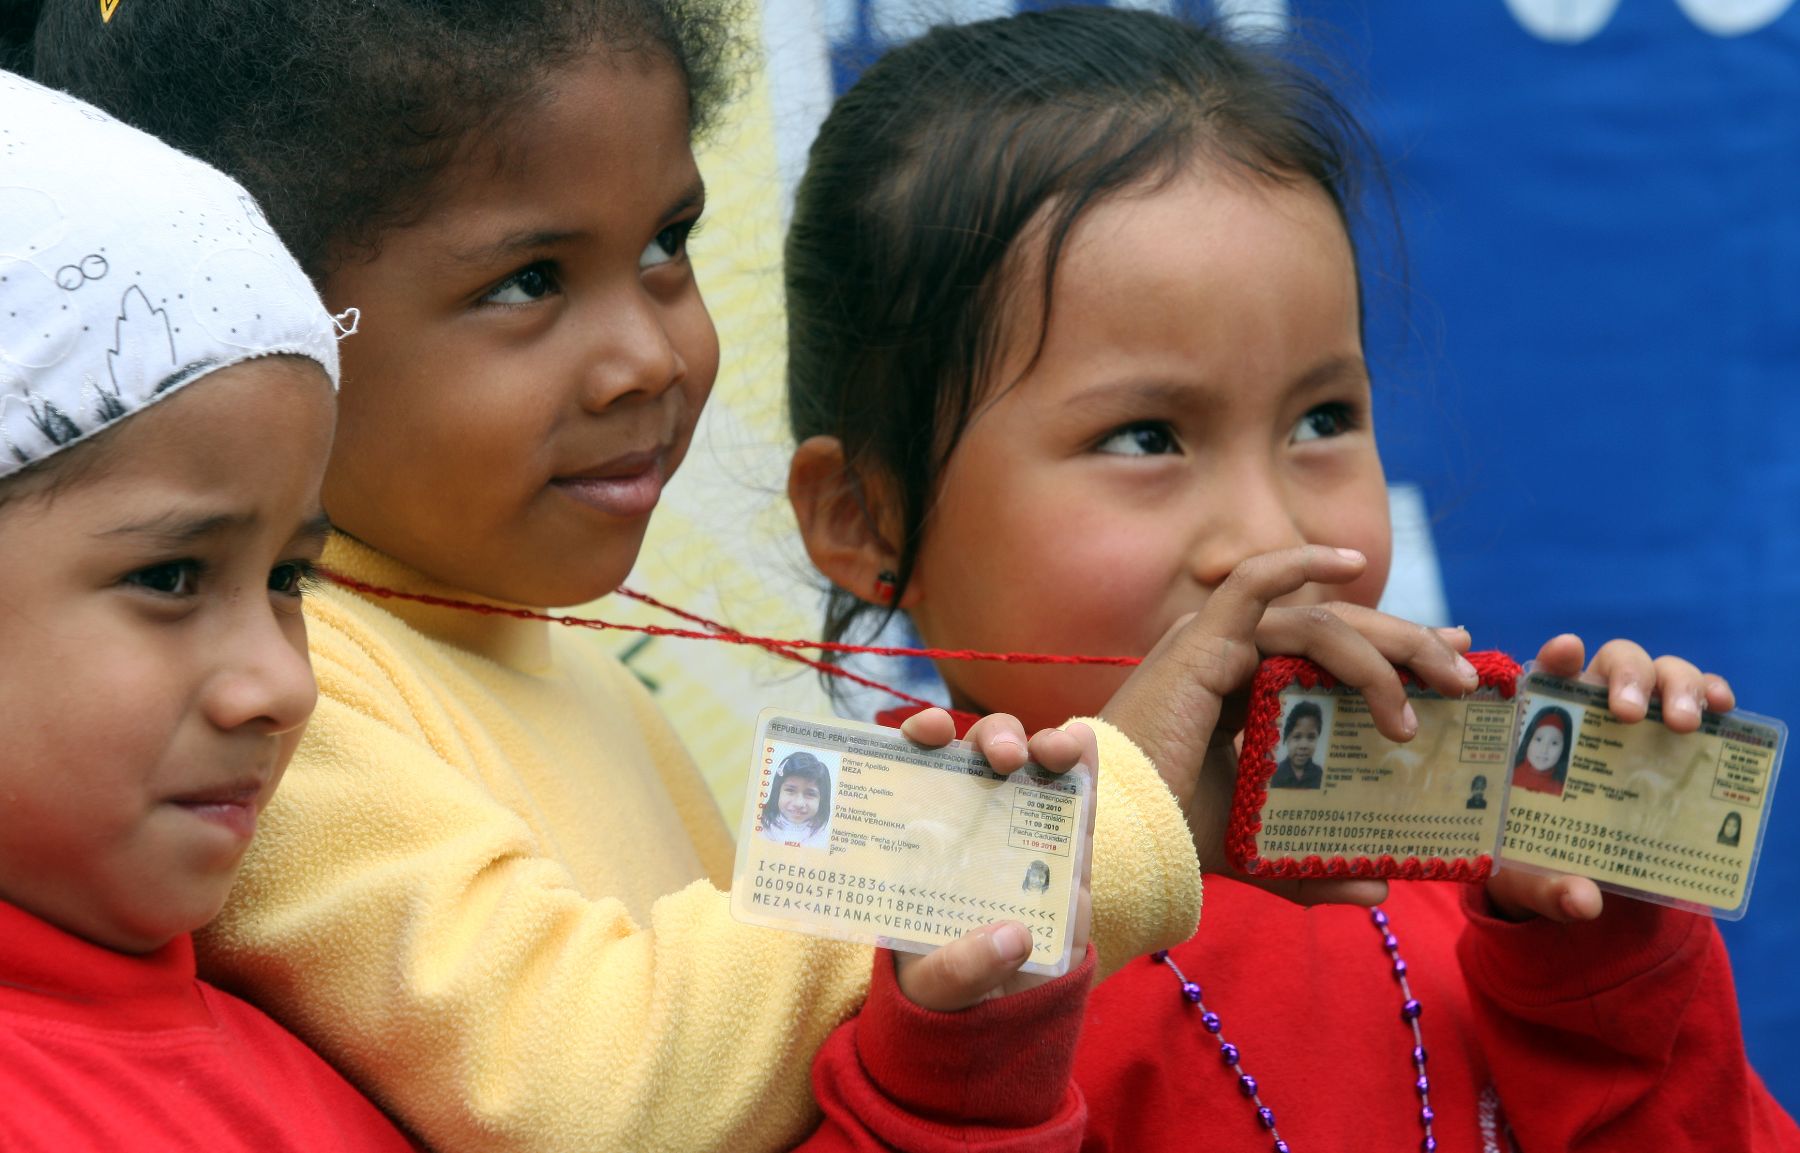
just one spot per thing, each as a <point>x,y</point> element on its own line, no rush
<point>1299,759</point>
<point>798,811</point>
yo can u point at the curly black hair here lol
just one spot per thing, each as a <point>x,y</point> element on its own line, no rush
<point>338,115</point>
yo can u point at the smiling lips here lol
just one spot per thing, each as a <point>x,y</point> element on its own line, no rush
<point>232,807</point>
<point>627,486</point>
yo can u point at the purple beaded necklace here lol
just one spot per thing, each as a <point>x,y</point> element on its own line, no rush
<point>1409,1015</point>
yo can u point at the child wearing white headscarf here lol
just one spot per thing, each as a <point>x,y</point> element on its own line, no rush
<point>167,379</point>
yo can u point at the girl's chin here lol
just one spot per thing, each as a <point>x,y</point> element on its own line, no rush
<point>1062,693</point>
<point>562,587</point>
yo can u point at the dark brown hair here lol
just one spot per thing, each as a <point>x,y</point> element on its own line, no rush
<point>930,169</point>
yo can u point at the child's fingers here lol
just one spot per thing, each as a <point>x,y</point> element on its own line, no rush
<point>1630,677</point>
<point>1001,739</point>
<point>1323,637</point>
<point>1720,696</point>
<point>1170,704</point>
<point>1456,636</point>
<point>1684,690</point>
<point>1219,641</point>
<point>933,728</point>
<point>1519,896</point>
<point>1562,656</point>
<point>1235,609</point>
<point>1059,750</point>
<point>1687,693</point>
<point>967,970</point>
<point>1436,655</point>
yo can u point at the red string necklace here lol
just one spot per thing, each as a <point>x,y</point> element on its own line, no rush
<point>793,650</point>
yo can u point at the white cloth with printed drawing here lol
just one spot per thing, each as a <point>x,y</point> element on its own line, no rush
<point>127,270</point>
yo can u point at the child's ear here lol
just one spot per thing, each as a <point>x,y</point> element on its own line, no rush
<point>842,520</point>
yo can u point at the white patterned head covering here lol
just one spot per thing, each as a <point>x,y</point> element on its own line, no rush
<point>127,270</point>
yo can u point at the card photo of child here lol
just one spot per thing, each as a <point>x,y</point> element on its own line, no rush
<point>1297,765</point>
<point>798,809</point>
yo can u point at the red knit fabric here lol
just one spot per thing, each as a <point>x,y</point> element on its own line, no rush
<point>1256,764</point>
<point>994,1078</point>
<point>101,1050</point>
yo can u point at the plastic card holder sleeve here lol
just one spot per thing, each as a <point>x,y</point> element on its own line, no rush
<point>1673,818</point>
<point>852,831</point>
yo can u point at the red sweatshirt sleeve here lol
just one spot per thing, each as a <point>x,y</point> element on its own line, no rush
<point>995,1078</point>
<point>1621,1033</point>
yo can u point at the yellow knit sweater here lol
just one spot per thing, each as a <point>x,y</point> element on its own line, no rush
<point>490,890</point>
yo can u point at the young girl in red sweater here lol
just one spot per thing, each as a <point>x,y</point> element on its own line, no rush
<point>166,403</point>
<point>1075,331</point>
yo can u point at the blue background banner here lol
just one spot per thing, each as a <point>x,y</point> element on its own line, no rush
<point>1587,361</point>
<point>1604,346</point>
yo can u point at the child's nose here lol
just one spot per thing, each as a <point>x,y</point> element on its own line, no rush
<point>633,352</point>
<point>264,680</point>
<point>1251,516</point>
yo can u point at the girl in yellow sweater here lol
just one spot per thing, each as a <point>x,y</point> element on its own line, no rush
<point>491,890</point>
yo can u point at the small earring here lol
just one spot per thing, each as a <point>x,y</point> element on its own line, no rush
<point>885,582</point>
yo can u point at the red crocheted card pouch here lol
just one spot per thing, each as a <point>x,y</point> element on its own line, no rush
<point>1498,673</point>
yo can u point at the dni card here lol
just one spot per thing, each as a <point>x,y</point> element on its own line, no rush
<point>852,831</point>
<point>1672,818</point>
<point>1321,793</point>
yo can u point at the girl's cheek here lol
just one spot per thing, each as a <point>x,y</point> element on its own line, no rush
<point>698,341</point>
<point>1360,521</point>
<point>1366,590</point>
<point>1112,586</point>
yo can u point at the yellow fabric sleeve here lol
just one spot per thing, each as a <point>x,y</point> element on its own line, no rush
<point>1146,880</point>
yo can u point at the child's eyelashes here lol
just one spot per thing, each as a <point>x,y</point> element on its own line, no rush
<point>294,578</point>
<point>544,278</point>
<point>180,579</point>
<point>1145,438</point>
<point>1158,438</point>
<point>670,244</point>
<point>176,578</point>
<point>531,283</point>
<point>1334,418</point>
